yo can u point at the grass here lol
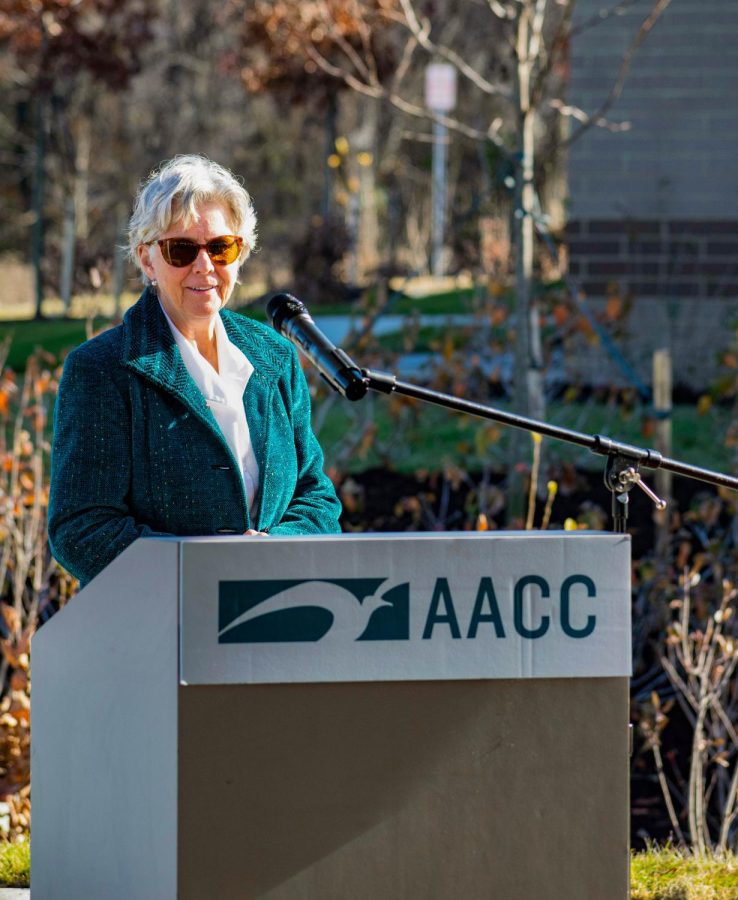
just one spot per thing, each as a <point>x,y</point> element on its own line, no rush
<point>440,304</point>
<point>422,436</point>
<point>444,304</point>
<point>15,864</point>
<point>656,874</point>
<point>670,874</point>
<point>425,341</point>
<point>54,335</point>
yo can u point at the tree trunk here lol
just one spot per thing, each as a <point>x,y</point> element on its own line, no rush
<point>69,244</point>
<point>331,118</point>
<point>528,388</point>
<point>37,234</point>
<point>119,262</point>
<point>368,238</point>
<point>361,211</point>
<point>82,176</point>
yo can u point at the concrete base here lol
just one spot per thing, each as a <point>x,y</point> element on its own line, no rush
<point>405,790</point>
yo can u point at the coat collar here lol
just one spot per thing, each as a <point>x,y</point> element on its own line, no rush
<point>149,348</point>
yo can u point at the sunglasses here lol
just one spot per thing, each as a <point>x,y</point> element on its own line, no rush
<point>180,252</point>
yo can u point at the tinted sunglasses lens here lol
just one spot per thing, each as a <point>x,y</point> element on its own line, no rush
<point>181,252</point>
<point>178,251</point>
<point>224,250</point>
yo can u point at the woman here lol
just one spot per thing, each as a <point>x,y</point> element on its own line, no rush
<point>186,419</point>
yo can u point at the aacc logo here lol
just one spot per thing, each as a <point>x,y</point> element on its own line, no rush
<point>283,611</point>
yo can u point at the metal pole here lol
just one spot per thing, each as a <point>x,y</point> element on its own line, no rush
<point>440,148</point>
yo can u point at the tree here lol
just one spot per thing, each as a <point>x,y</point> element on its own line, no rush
<point>65,53</point>
<point>513,57</point>
<point>272,58</point>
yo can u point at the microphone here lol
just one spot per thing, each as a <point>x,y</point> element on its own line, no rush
<point>292,320</point>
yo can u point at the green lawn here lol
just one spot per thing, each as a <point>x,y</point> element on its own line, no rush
<point>58,335</point>
<point>668,874</point>
<point>423,436</point>
<point>55,336</point>
<point>658,874</point>
<point>442,304</point>
<point>15,864</point>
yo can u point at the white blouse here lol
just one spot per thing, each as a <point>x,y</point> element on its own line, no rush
<point>223,392</point>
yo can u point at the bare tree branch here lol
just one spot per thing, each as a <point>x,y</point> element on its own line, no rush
<point>504,11</point>
<point>725,719</point>
<point>370,90</point>
<point>680,684</point>
<point>411,21</point>
<point>576,112</point>
<point>419,137</point>
<point>558,44</point>
<point>602,16</point>
<point>356,60</point>
<point>658,8</point>
<point>491,134</point>
<point>536,47</point>
<point>422,35</point>
<point>365,35</point>
<point>377,90</point>
<point>404,64</point>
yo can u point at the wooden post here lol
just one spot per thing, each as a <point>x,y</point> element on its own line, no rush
<point>69,245</point>
<point>662,389</point>
<point>119,263</point>
<point>39,187</point>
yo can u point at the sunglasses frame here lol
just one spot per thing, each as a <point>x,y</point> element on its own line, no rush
<point>163,245</point>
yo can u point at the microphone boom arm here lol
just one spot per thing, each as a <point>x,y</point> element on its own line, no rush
<point>623,459</point>
<point>291,318</point>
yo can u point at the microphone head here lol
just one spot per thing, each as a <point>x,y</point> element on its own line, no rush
<point>283,307</point>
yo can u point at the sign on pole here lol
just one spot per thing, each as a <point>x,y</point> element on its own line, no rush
<point>440,97</point>
<point>440,87</point>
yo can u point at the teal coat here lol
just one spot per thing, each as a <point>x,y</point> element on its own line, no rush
<point>137,451</point>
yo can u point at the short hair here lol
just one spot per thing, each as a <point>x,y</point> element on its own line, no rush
<point>173,192</point>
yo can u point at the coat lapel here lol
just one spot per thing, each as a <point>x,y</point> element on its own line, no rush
<point>150,349</point>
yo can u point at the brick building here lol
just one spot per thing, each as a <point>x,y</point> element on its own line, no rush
<point>653,211</point>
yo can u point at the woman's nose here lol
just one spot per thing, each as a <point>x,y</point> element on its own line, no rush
<point>202,262</point>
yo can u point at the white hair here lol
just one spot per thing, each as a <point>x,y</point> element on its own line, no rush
<point>174,191</point>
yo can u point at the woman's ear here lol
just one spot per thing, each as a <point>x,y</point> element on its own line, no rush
<point>144,257</point>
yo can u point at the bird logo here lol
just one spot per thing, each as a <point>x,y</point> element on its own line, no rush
<point>346,609</point>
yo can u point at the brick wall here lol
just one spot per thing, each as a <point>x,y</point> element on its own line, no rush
<point>652,258</point>
<point>654,209</point>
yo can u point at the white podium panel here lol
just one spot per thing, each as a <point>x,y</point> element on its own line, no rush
<point>405,608</point>
<point>374,716</point>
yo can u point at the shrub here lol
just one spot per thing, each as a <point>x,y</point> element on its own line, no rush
<point>32,586</point>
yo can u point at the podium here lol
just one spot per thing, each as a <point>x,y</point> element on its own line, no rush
<point>338,717</point>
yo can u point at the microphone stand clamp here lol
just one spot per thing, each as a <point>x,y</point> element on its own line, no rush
<point>621,473</point>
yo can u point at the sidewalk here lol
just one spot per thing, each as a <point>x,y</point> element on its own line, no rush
<point>15,893</point>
